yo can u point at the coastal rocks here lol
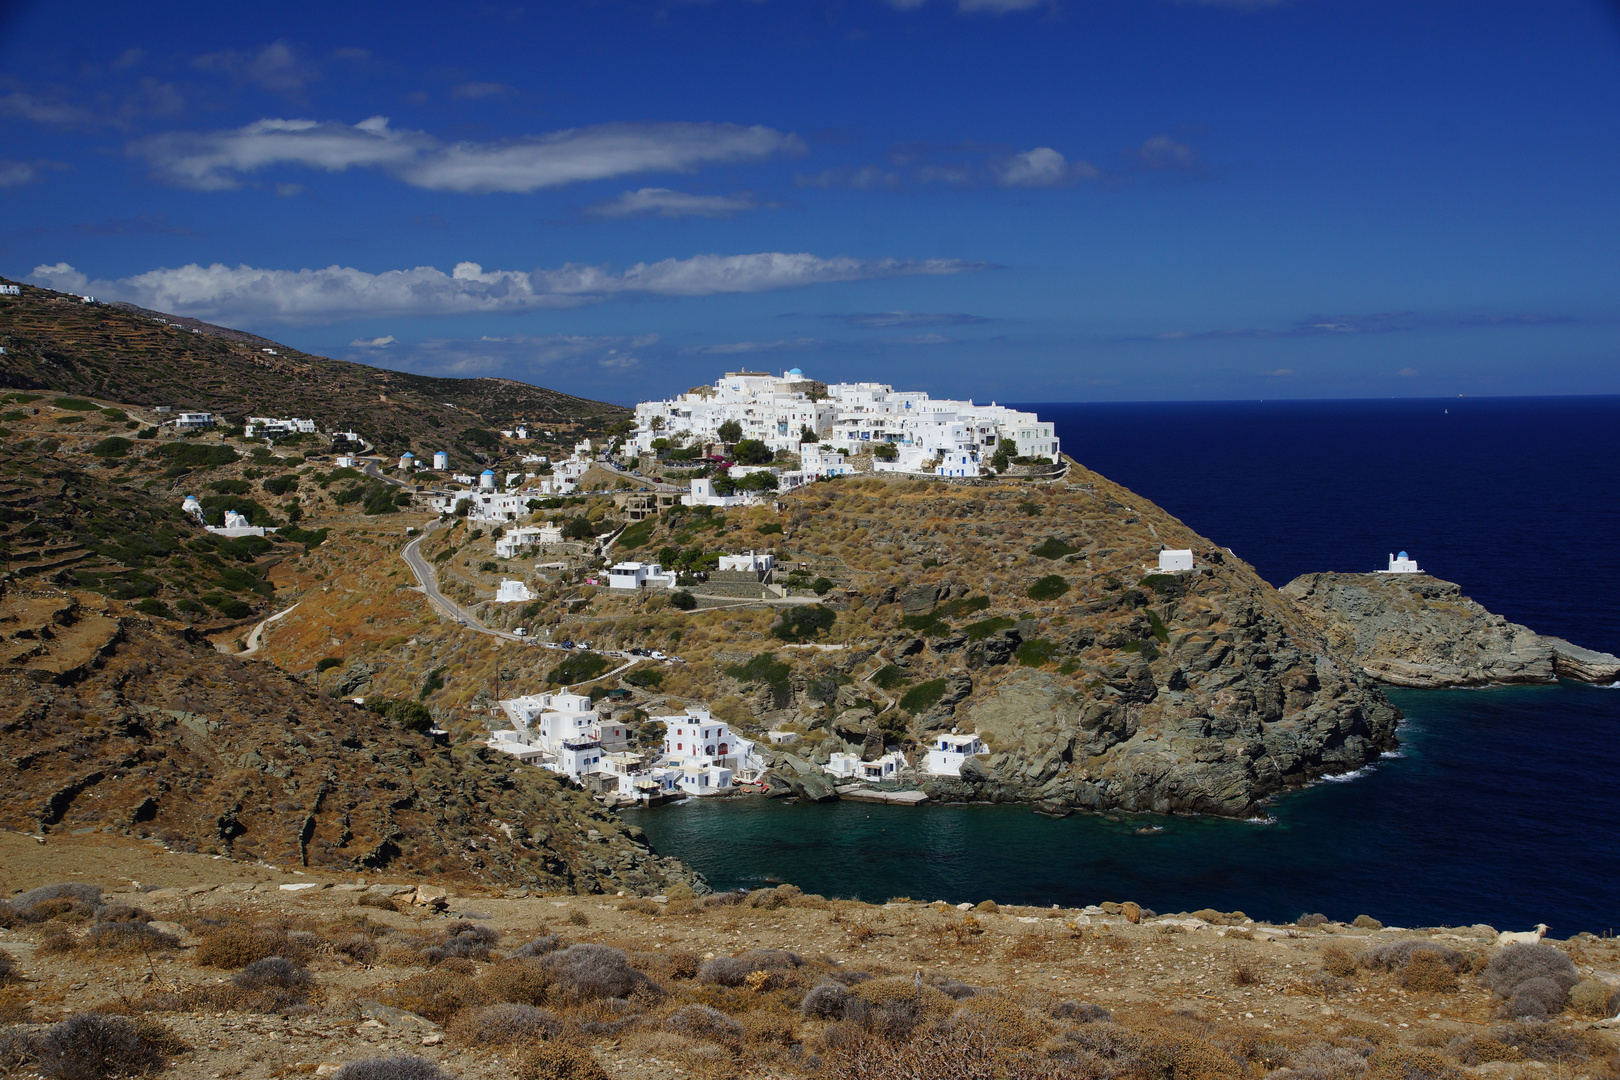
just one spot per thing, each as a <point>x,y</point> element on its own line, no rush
<point>794,776</point>
<point>1419,631</point>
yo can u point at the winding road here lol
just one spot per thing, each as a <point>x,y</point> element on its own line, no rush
<point>427,583</point>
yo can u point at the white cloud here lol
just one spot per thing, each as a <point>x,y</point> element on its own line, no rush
<point>275,67</point>
<point>23,106</point>
<point>373,343</point>
<point>1040,167</point>
<point>1163,152</point>
<point>734,348</point>
<point>339,292</point>
<point>212,161</point>
<point>673,204</point>
<point>18,173</point>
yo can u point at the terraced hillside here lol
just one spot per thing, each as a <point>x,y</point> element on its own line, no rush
<point>55,341</point>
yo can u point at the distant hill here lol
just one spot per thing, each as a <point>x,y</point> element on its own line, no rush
<point>56,341</point>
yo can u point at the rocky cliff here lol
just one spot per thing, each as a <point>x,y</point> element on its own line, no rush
<point>116,722</point>
<point>1417,630</point>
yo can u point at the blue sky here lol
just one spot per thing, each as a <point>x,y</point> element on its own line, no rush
<point>1017,199</point>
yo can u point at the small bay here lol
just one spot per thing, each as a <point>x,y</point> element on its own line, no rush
<point>1503,803</point>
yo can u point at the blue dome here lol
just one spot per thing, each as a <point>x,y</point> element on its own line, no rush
<point>407,454</point>
<point>794,371</point>
<point>1402,555</point>
<point>491,472</point>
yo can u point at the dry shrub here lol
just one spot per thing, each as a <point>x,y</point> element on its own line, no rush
<point>1336,960</point>
<point>1396,955</point>
<point>1317,1060</point>
<point>16,1050</point>
<point>962,1053</point>
<point>1312,920</point>
<point>706,1023</point>
<point>892,1008</point>
<point>1474,1050</point>
<point>521,982</point>
<point>239,946</point>
<point>276,971</point>
<point>641,906</point>
<point>539,946</point>
<point>559,1061</point>
<point>63,909</point>
<point>1410,1063</point>
<point>437,995</point>
<point>1366,922</point>
<point>585,971</point>
<point>1244,975</point>
<point>1546,1042</point>
<point>462,941</point>
<point>735,970</point>
<point>767,1030</point>
<point>860,933</point>
<point>1032,944</point>
<point>400,1067</point>
<point>5,966</point>
<point>578,918</point>
<point>122,913</point>
<point>1594,998</point>
<point>825,1001</point>
<point>25,905</point>
<point>129,939</point>
<point>1009,1021</point>
<point>951,988</point>
<point>376,900</point>
<point>1427,971</point>
<point>504,1024</point>
<point>987,907</point>
<point>1080,1012</point>
<point>669,965</point>
<point>1535,980</point>
<point>92,1046</point>
<point>358,947</point>
<point>58,941</point>
<point>773,898</point>
<point>1366,1031</point>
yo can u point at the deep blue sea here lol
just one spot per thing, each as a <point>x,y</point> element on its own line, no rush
<point>1504,804</point>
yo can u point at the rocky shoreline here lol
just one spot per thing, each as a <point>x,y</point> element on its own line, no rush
<point>1416,630</point>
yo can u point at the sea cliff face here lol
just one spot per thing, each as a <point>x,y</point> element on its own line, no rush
<point>1035,615</point>
<point>1417,630</point>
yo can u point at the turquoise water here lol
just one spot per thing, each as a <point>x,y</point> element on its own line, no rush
<point>1475,821</point>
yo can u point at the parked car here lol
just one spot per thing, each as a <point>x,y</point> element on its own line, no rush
<point>520,632</point>
<point>656,655</point>
<point>567,643</point>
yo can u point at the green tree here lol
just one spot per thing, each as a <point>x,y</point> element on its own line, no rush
<point>729,432</point>
<point>885,451</point>
<point>807,435</point>
<point>752,452</point>
<point>683,600</point>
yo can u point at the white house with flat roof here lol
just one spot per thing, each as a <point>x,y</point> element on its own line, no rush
<point>512,592</point>
<point>947,752</point>
<point>631,576</point>
<point>561,732</point>
<point>848,766</point>
<point>1174,562</point>
<point>704,757</point>
<point>193,421</point>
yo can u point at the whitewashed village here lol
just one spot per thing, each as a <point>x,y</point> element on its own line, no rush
<point>793,431</point>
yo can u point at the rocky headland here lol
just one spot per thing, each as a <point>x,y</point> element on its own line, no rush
<point>1419,631</point>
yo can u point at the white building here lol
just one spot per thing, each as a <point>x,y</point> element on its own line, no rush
<point>498,506</point>
<point>193,507</point>
<point>631,576</point>
<point>10,290</point>
<point>818,459</point>
<point>515,540</point>
<point>512,592</point>
<point>851,767</point>
<point>407,460</point>
<point>1401,564</point>
<point>702,757</point>
<point>947,753</point>
<point>237,525</point>
<point>193,421</point>
<point>748,562</point>
<point>486,480</point>
<point>561,732</point>
<point>703,495</point>
<point>1172,562</point>
<point>441,461</point>
<point>849,416</point>
<point>344,461</point>
<point>271,427</point>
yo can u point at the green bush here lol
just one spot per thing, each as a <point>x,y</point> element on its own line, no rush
<point>923,696</point>
<point>955,609</point>
<point>1159,630</point>
<point>980,630</point>
<point>327,663</point>
<point>114,446</point>
<point>153,606</point>
<point>579,668</point>
<point>888,677</point>
<point>232,608</point>
<point>1035,652</point>
<point>1049,587</point>
<point>76,405</point>
<point>646,678</point>
<point>762,668</point>
<point>231,487</point>
<point>434,681</point>
<point>281,485</point>
<point>1159,583</point>
<point>752,452</point>
<point>770,527</point>
<point>821,586</point>
<point>804,623</point>
<point>410,715</point>
<point>637,534</point>
<point>683,600</point>
<point>1053,548</point>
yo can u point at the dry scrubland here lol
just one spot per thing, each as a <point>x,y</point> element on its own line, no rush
<point>209,969</point>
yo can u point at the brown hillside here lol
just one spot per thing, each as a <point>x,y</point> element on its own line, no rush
<point>55,341</point>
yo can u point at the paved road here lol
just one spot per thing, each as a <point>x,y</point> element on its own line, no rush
<point>371,471</point>
<point>254,638</point>
<point>427,581</point>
